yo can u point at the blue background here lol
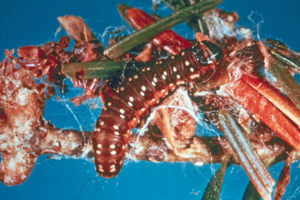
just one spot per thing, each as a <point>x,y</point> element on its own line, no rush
<point>34,22</point>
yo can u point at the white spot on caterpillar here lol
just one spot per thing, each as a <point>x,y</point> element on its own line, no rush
<point>135,76</point>
<point>130,104</point>
<point>178,76</point>
<point>187,63</point>
<point>155,79</point>
<point>164,77</point>
<point>192,69</point>
<point>108,103</point>
<point>143,88</point>
<point>116,127</point>
<point>148,68</point>
<point>134,119</point>
<point>101,169</point>
<point>165,73</point>
<point>112,170</point>
<point>98,152</point>
<point>116,133</point>
<point>171,85</point>
<point>129,79</point>
<point>99,146</point>
<point>112,166</point>
<point>122,111</point>
<point>101,123</point>
<point>122,116</point>
<point>122,89</point>
<point>182,53</point>
<point>113,152</point>
<point>142,93</point>
<point>131,99</point>
<point>194,76</point>
<point>174,69</point>
<point>153,83</point>
<point>172,57</point>
<point>112,146</point>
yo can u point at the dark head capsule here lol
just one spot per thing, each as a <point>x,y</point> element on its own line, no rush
<point>207,52</point>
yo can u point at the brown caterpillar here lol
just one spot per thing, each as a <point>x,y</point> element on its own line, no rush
<point>138,93</point>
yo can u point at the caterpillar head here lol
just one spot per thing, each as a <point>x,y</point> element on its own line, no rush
<point>207,52</point>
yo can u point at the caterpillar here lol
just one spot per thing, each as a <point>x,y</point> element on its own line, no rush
<point>144,89</point>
